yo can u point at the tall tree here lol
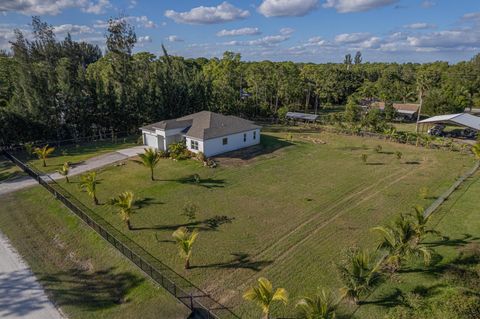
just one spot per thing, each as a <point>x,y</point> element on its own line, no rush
<point>358,58</point>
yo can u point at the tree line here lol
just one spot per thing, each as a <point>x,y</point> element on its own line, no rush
<point>62,89</point>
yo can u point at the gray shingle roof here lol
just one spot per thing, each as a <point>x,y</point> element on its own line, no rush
<point>206,125</point>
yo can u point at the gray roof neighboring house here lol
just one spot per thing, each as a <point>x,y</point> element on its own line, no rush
<point>205,125</point>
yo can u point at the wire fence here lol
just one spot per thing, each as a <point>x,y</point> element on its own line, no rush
<point>181,288</point>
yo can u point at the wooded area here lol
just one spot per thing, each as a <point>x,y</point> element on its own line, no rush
<point>51,89</point>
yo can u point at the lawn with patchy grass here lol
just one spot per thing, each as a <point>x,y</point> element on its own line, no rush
<point>8,170</point>
<point>459,224</point>
<point>81,272</point>
<point>78,153</point>
<point>286,214</point>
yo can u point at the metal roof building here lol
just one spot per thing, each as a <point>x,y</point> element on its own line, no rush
<point>301,116</point>
<point>461,119</point>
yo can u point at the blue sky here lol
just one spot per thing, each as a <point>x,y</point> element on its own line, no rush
<point>297,30</point>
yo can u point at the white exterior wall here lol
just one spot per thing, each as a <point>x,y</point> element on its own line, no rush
<point>200,145</point>
<point>215,146</point>
<point>160,140</point>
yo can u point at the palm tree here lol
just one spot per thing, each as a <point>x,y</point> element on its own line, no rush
<point>124,203</point>
<point>419,224</point>
<point>185,240</point>
<point>359,273</point>
<point>264,295</point>
<point>401,242</point>
<point>321,306</point>
<point>476,150</point>
<point>89,182</point>
<point>43,152</point>
<point>64,171</point>
<point>150,159</point>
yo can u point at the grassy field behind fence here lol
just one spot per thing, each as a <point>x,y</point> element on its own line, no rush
<point>286,214</point>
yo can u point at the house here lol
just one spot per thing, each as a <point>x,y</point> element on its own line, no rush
<point>205,131</point>
<point>407,111</point>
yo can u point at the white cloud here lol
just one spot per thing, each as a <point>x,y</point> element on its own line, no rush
<point>140,22</point>
<point>143,40</point>
<point>448,39</point>
<point>283,8</point>
<point>472,16</point>
<point>98,7</point>
<point>269,40</point>
<point>419,26</point>
<point>428,4</point>
<point>132,4</point>
<point>286,31</point>
<point>73,29</point>
<point>52,7</point>
<point>344,6</point>
<point>238,32</point>
<point>224,12</point>
<point>348,38</point>
<point>174,38</point>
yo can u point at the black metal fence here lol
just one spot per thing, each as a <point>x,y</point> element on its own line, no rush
<point>186,292</point>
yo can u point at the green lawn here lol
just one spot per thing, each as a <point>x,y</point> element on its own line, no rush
<point>78,153</point>
<point>81,272</point>
<point>458,221</point>
<point>286,214</point>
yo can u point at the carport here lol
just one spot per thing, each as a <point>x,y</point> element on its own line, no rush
<point>461,119</point>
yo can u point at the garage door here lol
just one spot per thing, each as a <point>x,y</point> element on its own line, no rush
<point>151,140</point>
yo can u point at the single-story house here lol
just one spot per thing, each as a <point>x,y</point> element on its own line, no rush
<point>406,110</point>
<point>205,131</point>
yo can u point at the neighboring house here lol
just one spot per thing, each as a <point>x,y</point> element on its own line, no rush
<point>206,132</point>
<point>408,111</point>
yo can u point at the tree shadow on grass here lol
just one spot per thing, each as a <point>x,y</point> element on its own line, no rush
<point>395,298</point>
<point>90,290</point>
<point>146,201</point>
<point>239,260</point>
<point>412,163</point>
<point>209,224</point>
<point>375,163</point>
<point>203,182</point>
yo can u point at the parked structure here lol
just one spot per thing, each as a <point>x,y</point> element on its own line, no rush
<point>461,119</point>
<point>305,117</point>
<point>205,131</point>
<point>407,111</point>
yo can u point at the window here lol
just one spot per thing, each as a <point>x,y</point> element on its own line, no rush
<point>225,141</point>
<point>193,145</point>
<point>254,135</point>
<point>244,137</point>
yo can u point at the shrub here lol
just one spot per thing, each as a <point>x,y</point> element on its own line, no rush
<point>378,148</point>
<point>179,151</point>
<point>398,154</point>
<point>201,156</point>
<point>196,178</point>
<point>364,158</point>
<point>163,154</point>
<point>29,149</point>
<point>190,211</point>
<point>423,192</point>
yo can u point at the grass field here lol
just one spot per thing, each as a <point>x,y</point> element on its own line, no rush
<point>8,170</point>
<point>286,214</point>
<point>457,220</point>
<point>81,272</point>
<point>78,153</point>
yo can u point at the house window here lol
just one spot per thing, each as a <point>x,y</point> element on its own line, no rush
<point>225,141</point>
<point>244,137</point>
<point>194,145</point>
<point>254,135</point>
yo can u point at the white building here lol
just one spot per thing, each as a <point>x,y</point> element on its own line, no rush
<point>206,132</point>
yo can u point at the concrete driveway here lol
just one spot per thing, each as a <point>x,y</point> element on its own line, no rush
<point>88,165</point>
<point>21,296</point>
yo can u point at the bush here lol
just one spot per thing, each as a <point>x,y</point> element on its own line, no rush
<point>190,211</point>
<point>179,151</point>
<point>378,148</point>
<point>364,158</point>
<point>399,155</point>
<point>423,192</point>
<point>201,156</point>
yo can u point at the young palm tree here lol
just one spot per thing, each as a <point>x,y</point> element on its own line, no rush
<point>476,150</point>
<point>185,240</point>
<point>64,171</point>
<point>419,224</point>
<point>401,242</point>
<point>89,182</point>
<point>321,306</point>
<point>124,203</point>
<point>43,153</point>
<point>264,295</point>
<point>359,273</point>
<point>150,159</point>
